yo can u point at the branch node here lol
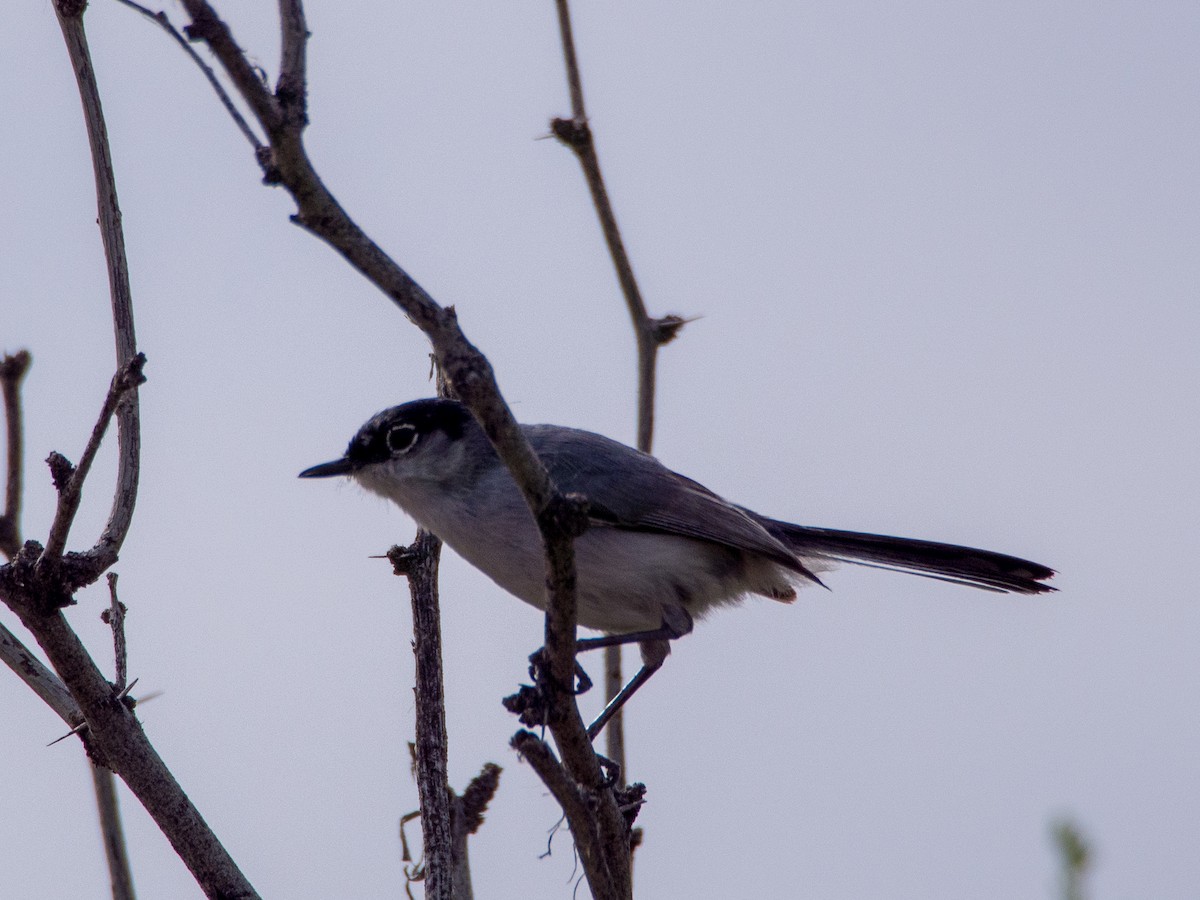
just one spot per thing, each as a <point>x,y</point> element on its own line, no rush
<point>630,801</point>
<point>114,618</point>
<point>529,705</point>
<point>204,27</point>
<point>264,155</point>
<point>575,133</point>
<point>14,366</point>
<point>402,559</point>
<point>667,328</point>
<point>532,703</point>
<point>130,375</point>
<point>62,470</point>
<point>70,9</point>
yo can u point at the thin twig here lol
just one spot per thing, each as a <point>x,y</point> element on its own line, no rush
<point>70,493</point>
<point>594,854</point>
<point>614,731</point>
<point>160,18</point>
<point>207,26</point>
<point>112,834</point>
<point>70,20</point>
<point>12,373</point>
<point>48,686</point>
<point>574,81</point>
<point>649,333</point>
<point>114,617</point>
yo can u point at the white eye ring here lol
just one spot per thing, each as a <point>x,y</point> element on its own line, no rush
<point>401,438</point>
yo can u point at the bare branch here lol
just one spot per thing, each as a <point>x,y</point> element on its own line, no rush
<point>70,20</point>
<point>37,581</point>
<point>70,491</point>
<point>207,26</point>
<point>614,731</point>
<point>112,833</point>
<point>114,737</point>
<point>595,852</point>
<point>292,86</point>
<point>114,618</point>
<point>419,563</point>
<point>574,82</point>
<point>102,778</point>
<point>12,373</point>
<point>576,133</point>
<point>45,684</point>
<point>160,18</point>
<point>650,333</point>
<point>320,213</point>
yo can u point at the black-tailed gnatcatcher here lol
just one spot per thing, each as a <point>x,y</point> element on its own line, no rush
<point>662,549</point>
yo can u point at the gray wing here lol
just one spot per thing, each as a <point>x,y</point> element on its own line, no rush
<point>632,490</point>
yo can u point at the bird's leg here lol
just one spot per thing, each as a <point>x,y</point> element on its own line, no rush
<point>529,702</point>
<point>642,676</point>
<point>655,648</point>
<point>676,622</point>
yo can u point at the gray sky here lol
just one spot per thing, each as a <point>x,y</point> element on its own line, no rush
<point>945,258</point>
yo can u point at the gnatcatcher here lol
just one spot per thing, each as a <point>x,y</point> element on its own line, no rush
<point>662,549</point>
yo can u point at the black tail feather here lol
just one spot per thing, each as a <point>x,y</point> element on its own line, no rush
<point>947,562</point>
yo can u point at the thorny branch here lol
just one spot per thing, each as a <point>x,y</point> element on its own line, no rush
<point>419,563</point>
<point>36,585</point>
<point>38,582</point>
<point>649,332</point>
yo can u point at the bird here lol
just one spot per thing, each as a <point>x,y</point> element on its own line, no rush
<point>661,550</point>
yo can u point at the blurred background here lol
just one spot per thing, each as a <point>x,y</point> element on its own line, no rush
<point>944,257</point>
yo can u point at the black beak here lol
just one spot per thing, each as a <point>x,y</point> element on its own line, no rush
<point>341,466</point>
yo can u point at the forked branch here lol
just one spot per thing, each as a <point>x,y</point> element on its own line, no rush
<point>38,582</point>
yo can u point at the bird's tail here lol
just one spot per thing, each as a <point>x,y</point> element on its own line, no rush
<point>947,562</point>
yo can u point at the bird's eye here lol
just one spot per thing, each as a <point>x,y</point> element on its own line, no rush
<point>400,438</point>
